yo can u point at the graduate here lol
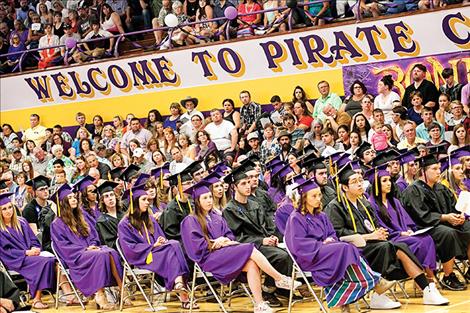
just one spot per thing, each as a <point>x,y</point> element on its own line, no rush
<point>354,215</point>
<point>91,265</point>
<point>393,217</point>
<point>316,169</point>
<point>335,265</point>
<point>111,214</point>
<point>258,194</point>
<point>250,224</point>
<point>144,245</point>
<point>87,193</point>
<point>209,242</point>
<point>178,208</point>
<point>366,153</point>
<point>277,188</point>
<point>163,190</point>
<point>453,171</point>
<point>391,159</point>
<point>20,252</point>
<point>431,204</point>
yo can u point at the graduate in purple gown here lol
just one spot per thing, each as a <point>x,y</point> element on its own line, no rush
<point>20,251</point>
<point>92,266</point>
<point>145,246</point>
<point>335,265</point>
<point>286,207</point>
<point>279,171</point>
<point>393,217</point>
<point>209,242</point>
<point>87,194</point>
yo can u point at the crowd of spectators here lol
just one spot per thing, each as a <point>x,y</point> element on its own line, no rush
<point>425,117</point>
<point>32,24</point>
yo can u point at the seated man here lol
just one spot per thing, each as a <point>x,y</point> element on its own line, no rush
<point>431,204</point>
<point>97,49</point>
<point>250,223</point>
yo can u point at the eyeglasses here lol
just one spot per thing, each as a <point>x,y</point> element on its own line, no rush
<point>42,189</point>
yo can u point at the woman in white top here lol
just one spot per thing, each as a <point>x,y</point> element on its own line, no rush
<point>386,97</point>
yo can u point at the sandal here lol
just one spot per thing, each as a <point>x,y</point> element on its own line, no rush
<point>72,301</point>
<point>187,305</point>
<point>39,305</point>
<point>180,287</point>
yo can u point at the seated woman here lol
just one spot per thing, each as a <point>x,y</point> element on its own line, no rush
<point>88,194</point>
<point>21,252</point>
<point>354,215</point>
<point>209,242</point>
<point>111,214</point>
<point>251,20</point>
<point>77,243</point>
<point>144,245</point>
<point>393,217</point>
<point>335,265</point>
<point>455,175</point>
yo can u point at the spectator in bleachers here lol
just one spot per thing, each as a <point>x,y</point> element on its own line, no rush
<point>110,20</point>
<point>458,115</point>
<point>219,26</point>
<point>140,14</point>
<point>7,136</point>
<point>335,119</point>
<point>361,125</point>
<point>84,21</point>
<point>181,36</point>
<point>137,132</point>
<point>21,31</point>
<point>73,53</point>
<point>58,25</point>
<point>460,138</point>
<point>36,31</point>
<point>73,4</point>
<point>73,20</point>
<point>411,140</point>
<point>386,96</point>
<point>317,11</point>
<point>58,7</point>
<point>190,8</point>
<point>49,57</point>
<point>122,8</point>
<point>97,49</point>
<point>44,13</point>
<point>422,130</point>
<point>249,21</point>
<point>428,90</point>
<point>40,160</point>
<point>35,132</point>
<point>204,12</point>
<point>22,11</point>
<point>296,133</point>
<point>303,116</point>
<point>175,113</point>
<point>160,21</point>
<point>299,94</point>
<point>326,98</point>
<point>414,112</point>
<point>451,87</point>
<point>399,117</point>
<point>250,112</point>
<point>223,134</point>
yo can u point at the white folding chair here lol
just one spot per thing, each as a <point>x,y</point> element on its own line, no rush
<point>296,272</point>
<point>198,272</point>
<point>130,277</point>
<point>62,269</point>
<point>24,294</point>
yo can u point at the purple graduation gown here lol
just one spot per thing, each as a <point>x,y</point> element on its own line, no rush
<point>226,263</point>
<point>38,271</point>
<point>89,270</point>
<point>284,209</point>
<point>93,217</point>
<point>277,195</point>
<point>168,260</point>
<point>422,245</point>
<point>328,262</point>
<point>401,183</point>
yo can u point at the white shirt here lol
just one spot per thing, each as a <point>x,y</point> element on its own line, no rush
<point>220,134</point>
<point>178,167</point>
<point>386,104</point>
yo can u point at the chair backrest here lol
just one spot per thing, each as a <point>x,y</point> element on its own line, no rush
<point>57,256</point>
<point>121,254</point>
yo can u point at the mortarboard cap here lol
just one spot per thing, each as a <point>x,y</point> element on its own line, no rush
<point>221,167</point>
<point>130,172</point>
<point>106,186</point>
<point>363,148</point>
<point>282,170</point>
<point>409,156</point>
<point>438,149</point>
<point>83,183</point>
<point>160,171</point>
<point>343,160</point>
<point>314,163</point>
<point>134,193</point>
<point>427,160</point>
<point>198,189</point>
<point>299,179</point>
<point>38,182</point>
<point>385,156</point>
<point>374,174</point>
<point>306,186</point>
<point>194,167</point>
<point>60,195</point>
<point>5,198</point>
<point>345,172</point>
<point>3,183</point>
<point>115,173</point>
<point>236,175</point>
<point>142,179</point>
<point>213,177</point>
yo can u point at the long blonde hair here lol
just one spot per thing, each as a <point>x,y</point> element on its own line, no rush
<point>15,223</point>
<point>303,206</point>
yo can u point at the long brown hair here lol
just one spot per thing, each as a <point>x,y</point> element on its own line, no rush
<point>303,205</point>
<point>201,218</point>
<point>73,218</point>
<point>138,219</point>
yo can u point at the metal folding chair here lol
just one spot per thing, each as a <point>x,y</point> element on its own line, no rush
<point>198,272</point>
<point>62,269</point>
<point>24,294</point>
<point>296,270</point>
<point>130,277</point>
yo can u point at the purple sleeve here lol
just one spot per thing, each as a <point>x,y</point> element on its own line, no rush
<point>296,237</point>
<point>195,244</point>
<point>28,232</point>
<point>330,230</point>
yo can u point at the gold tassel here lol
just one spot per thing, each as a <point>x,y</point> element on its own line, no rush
<point>109,176</point>
<point>376,182</point>
<point>161,179</point>
<point>131,202</point>
<point>338,191</point>
<point>350,214</point>
<point>180,186</point>
<point>58,205</point>
<point>149,258</point>
<point>190,207</point>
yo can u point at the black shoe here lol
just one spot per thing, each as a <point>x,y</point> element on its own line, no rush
<point>271,299</point>
<point>283,293</point>
<point>451,282</point>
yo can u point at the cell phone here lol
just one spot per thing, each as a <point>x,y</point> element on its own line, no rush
<point>36,26</point>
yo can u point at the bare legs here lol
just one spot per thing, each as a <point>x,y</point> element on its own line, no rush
<point>411,268</point>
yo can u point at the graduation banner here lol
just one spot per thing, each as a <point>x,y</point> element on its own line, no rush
<point>265,65</point>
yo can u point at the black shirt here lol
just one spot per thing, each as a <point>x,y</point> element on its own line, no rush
<point>31,212</point>
<point>427,89</point>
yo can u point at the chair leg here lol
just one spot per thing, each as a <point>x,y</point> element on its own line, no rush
<point>124,278</point>
<point>57,288</point>
<point>319,301</point>
<point>291,291</point>
<point>229,300</point>
<point>213,292</point>
<point>134,277</point>
<point>193,287</point>
<point>248,293</point>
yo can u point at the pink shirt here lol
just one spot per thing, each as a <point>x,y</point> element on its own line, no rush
<point>379,141</point>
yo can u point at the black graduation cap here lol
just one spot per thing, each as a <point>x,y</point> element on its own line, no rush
<point>247,164</point>
<point>130,172</point>
<point>427,160</point>
<point>363,148</point>
<point>115,173</point>
<point>314,163</point>
<point>3,183</point>
<point>38,182</point>
<point>236,175</point>
<point>385,156</point>
<point>308,151</point>
<point>345,172</point>
<point>182,176</point>
<point>194,167</point>
<point>106,186</point>
<point>438,149</point>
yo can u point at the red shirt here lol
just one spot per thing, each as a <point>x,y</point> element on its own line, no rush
<point>305,120</point>
<point>244,8</point>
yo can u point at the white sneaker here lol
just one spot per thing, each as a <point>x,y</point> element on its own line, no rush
<point>285,283</point>
<point>432,296</point>
<point>263,307</point>
<point>382,302</point>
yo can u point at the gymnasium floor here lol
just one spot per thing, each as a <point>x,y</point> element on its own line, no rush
<point>459,303</point>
